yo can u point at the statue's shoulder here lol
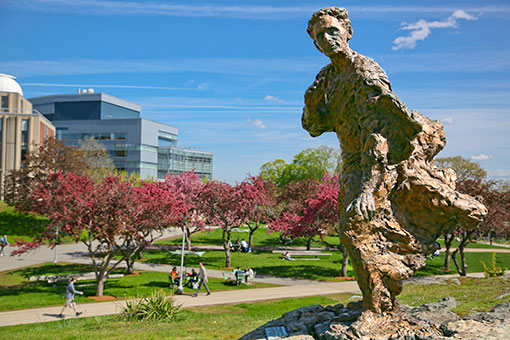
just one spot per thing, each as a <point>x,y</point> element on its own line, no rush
<point>371,71</point>
<point>325,72</point>
<point>322,79</point>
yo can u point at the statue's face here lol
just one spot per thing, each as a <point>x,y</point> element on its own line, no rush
<point>330,36</point>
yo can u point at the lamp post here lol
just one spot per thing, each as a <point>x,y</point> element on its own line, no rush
<point>180,288</point>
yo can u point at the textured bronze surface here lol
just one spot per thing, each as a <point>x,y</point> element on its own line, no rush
<point>394,200</point>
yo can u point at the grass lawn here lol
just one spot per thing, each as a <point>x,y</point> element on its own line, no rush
<point>325,269</point>
<point>232,321</point>
<point>16,292</point>
<point>434,267</point>
<point>203,323</point>
<point>20,225</point>
<point>472,294</point>
<point>260,238</point>
<point>262,262</point>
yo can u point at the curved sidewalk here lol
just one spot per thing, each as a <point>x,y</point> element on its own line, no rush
<point>46,314</point>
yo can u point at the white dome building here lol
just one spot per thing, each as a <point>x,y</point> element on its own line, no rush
<point>8,84</point>
<point>21,128</point>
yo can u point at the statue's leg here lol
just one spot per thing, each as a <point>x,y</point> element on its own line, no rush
<point>363,249</point>
<point>381,258</point>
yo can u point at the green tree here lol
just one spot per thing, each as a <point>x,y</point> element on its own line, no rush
<point>99,163</point>
<point>464,168</point>
<point>273,171</point>
<point>311,163</point>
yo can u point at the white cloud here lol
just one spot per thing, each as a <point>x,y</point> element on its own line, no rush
<point>239,66</point>
<point>447,120</point>
<point>481,157</point>
<point>422,29</point>
<point>273,98</point>
<point>202,86</point>
<point>257,123</point>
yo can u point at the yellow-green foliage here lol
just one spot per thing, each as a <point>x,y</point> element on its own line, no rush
<point>492,270</point>
<point>158,306</point>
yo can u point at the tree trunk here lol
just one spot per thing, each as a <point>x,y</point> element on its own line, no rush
<point>250,237</point>
<point>226,243</point>
<point>188,238</point>
<point>101,276</point>
<point>130,261</point>
<point>100,286</point>
<point>345,260</point>
<point>448,239</point>
<point>462,268</point>
<point>309,243</point>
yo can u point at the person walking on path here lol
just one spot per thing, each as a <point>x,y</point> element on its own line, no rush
<point>3,243</point>
<point>202,275</point>
<point>70,291</point>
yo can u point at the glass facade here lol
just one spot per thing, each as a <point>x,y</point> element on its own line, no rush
<point>86,110</point>
<point>176,161</point>
<point>62,133</point>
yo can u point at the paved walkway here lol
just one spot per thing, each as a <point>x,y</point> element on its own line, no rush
<point>46,314</point>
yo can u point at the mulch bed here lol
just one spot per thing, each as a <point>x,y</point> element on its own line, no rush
<point>102,298</point>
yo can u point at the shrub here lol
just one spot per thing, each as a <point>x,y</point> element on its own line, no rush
<point>492,270</point>
<point>158,306</point>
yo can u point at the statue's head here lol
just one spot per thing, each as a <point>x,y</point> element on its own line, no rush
<point>331,30</point>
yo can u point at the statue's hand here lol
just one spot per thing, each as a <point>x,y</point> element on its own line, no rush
<point>363,205</point>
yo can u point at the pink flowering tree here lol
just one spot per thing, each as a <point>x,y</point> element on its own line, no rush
<point>220,203</point>
<point>317,216</point>
<point>186,189</point>
<point>293,202</point>
<point>152,208</point>
<point>106,216</point>
<point>255,207</point>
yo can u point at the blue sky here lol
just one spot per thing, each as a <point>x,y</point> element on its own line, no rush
<point>231,74</point>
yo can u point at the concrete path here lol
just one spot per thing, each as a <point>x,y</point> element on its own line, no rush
<point>69,252</point>
<point>46,314</point>
<point>480,250</point>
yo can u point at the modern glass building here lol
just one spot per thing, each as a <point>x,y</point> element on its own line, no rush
<point>137,145</point>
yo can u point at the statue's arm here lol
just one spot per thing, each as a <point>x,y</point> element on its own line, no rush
<point>373,161</point>
<point>315,96</point>
<point>316,114</point>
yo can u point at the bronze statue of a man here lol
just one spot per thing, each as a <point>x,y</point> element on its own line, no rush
<point>394,200</point>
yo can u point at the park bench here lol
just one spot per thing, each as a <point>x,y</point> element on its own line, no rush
<point>303,254</point>
<point>67,277</point>
<point>237,278</point>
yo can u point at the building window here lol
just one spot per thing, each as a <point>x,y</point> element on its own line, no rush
<point>120,150</point>
<point>5,102</point>
<point>61,133</point>
<point>45,132</point>
<point>24,131</point>
<point>119,136</point>
<point>162,141</point>
<point>23,152</point>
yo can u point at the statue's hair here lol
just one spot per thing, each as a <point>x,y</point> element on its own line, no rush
<point>340,13</point>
